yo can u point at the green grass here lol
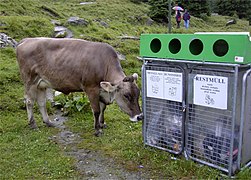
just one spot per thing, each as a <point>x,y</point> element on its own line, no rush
<point>25,153</point>
<point>29,154</point>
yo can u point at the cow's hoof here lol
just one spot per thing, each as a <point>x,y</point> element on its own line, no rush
<point>33,125</point>
<point>50,124</point>
<point>98,133</point>
<point>103,126</point>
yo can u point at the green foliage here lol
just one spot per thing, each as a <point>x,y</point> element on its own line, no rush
<point>72,102</point>
<point>230,7</point>
<point>159,10</point>
<point>196,7</point>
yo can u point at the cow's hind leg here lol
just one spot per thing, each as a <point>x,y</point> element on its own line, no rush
<point>41,101</point>
<point>29,101</point>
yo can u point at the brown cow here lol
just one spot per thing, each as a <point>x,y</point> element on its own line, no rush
<point>72,65</point>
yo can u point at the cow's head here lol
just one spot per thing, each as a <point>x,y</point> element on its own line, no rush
<point>126,94</point>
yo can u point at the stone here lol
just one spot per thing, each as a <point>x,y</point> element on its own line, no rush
<point>85,3</point>
<point>102,23</point>
<point>77,21</point>
<point>149,22</point>
<point>62,32</point>
<point>232,21</point>
<point>5,41</point>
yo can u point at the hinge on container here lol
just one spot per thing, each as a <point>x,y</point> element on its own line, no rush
<point>183,106</point>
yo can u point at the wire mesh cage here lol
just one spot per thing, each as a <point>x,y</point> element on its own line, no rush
<point>163,110</point>
<point>209,121</point>
<point>212,126</point>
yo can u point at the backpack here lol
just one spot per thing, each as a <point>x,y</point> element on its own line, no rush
<point>186,16</point>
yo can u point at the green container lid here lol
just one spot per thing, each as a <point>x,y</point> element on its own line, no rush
<point>221,47</point>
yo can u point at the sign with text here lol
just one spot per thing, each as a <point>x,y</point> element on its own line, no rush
<point>164,85</point>
<point>210,91</point>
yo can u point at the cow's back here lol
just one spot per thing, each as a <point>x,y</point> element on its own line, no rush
<point>68,64</point>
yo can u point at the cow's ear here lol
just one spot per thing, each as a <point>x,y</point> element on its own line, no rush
<point>108,87</point>
<point>135,76</point>
<point>132,78</point>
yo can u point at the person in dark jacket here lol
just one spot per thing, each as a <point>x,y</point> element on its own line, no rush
<point>186,18</point>
<point>178,18</point>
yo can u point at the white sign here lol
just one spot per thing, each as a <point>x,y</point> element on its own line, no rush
<point>239,59</point>
<point>155,86</point>
<point>164,85</point>
<point>210,91</point>
<point>173,86</point>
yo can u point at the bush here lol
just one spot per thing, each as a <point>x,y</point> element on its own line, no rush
<point>72,102</point>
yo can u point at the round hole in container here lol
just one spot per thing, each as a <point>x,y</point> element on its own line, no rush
<point>174,46</point>
<point>196,47</point>
<point>220,47</point>
<point>155,45</point>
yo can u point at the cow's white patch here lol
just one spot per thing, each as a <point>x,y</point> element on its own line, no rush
<point>136,118</point>
<point>43,84</point>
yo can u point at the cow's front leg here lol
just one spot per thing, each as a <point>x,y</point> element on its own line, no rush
<point>93,95</point>
<point>101,116</point>
<point>41,100</point>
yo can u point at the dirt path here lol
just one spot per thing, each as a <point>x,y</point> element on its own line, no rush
<point>90,164</point>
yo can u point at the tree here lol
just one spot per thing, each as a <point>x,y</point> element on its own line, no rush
<point>159,10</point>
<point>197,7</point>
<point>231,7</point>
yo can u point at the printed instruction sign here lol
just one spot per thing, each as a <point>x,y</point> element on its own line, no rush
<point>164,85</point>
<point>210,91</point>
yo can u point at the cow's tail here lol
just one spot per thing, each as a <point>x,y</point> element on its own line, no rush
<point>20,42</point>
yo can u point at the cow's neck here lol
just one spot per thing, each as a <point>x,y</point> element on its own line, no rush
<point>116,77</point>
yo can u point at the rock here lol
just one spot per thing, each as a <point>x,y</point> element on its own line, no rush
<point>77,21</point>
<point>62,32</point>
<point>102,23</point>
<point>84,3</point>
<point>233,21</point>
<point>5,41</point>
<point>149,22</point>
<point>56,22</point>
<point>129,37</point>
<point>121,56</point>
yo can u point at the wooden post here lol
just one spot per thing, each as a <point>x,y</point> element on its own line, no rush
<point>169,16</point>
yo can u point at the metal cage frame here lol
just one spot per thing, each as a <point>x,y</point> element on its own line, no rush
<point>174,142</point>
<point>229,145</point>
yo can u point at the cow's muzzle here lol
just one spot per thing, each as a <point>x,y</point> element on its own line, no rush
<point>137,118</point>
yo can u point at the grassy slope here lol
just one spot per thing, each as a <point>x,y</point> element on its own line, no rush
<point>30,154</point>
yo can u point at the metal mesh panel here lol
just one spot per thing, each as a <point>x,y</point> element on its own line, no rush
<point>163,119</point>
<point>209,130</point>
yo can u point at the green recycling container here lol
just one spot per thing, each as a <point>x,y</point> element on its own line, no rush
<point>220,47</point>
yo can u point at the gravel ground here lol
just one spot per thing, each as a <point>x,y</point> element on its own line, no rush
<point>91,164</point>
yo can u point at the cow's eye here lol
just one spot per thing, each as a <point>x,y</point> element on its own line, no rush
<point>127,96</point>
